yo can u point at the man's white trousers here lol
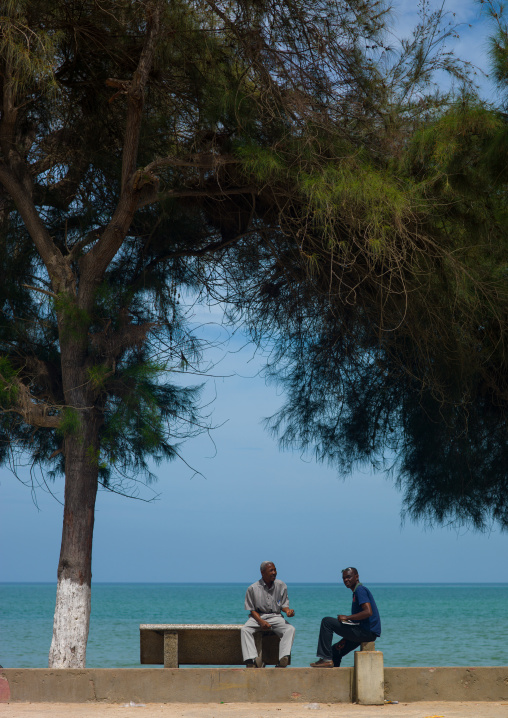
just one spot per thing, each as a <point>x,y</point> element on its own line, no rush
<point>280,627</point>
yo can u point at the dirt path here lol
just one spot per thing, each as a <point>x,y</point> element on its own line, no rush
<point>426,709</point>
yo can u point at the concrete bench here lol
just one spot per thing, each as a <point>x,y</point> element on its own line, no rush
<point>173,644</point>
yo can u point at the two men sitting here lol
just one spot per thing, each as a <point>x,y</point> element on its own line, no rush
<point>268,598</point>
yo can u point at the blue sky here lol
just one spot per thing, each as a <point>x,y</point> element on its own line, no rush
<point>253,502</point>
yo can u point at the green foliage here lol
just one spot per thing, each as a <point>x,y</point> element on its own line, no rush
<point>98,375</point>
<point>70,424</point>
<point>137,419</point>
<point>405,366</point>
<point>452,151</point>
<point>263,163</point>
<point>74,319</point>
<point>498,45</point>
<point>387,321</point>
<point>29,51</point>
<point>369,199</point>
<point>8,390</point>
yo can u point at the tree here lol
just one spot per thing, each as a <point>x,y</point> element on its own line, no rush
<point>135,139</point>
<point>87,332</point>
<point>390,335</point>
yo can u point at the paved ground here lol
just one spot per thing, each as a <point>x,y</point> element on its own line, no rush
<point>434,709</point>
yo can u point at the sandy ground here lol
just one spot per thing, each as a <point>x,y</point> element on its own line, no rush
<point>434,709</point>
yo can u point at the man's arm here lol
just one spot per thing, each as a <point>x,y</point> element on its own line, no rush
<point>251,607</point>
<point>285,603</point>
<point>264,624</point>
<point>366,612</point>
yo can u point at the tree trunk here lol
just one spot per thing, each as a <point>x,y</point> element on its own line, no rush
<point>73,596</point>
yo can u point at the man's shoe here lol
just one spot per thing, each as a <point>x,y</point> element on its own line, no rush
<point>283,663</point>
<point>249,663</point>
<point>258,662</point>
<point>322,663</point>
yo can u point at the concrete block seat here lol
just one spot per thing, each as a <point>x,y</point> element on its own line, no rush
<point>370,646</point>
<point>174,644</point>
<point>368,675</point>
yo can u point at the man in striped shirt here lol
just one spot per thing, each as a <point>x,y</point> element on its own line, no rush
<point>266,600</point>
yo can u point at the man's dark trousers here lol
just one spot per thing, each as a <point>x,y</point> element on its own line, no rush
<point>353,635</point>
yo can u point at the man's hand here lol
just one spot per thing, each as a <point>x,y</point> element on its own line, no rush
<point>262,623</point>
<point>366,612</point>
<point>289,612</point>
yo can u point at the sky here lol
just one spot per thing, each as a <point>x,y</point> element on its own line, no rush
<point>251,502</point>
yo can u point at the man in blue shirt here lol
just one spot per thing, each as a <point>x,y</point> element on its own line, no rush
<point>363,625</point>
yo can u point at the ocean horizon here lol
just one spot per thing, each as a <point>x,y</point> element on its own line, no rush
<point>423,624</point>
<point>243,583</point>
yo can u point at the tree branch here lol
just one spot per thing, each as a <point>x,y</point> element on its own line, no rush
<point>113,344</point>
<point>219,192</point>
<point>136,93</point>
<point>38,289</point>
<point>206,160</point>
<point>58,270</point>
<point>32,413</point>
<point>95,262</point>
<point>212,247</point>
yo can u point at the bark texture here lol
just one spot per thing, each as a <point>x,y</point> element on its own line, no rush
<point>72,610</point>
<point>71,624</point>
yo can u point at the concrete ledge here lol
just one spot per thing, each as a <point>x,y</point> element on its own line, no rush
<point>167,685</point>
<point>481,683</point>
<point>213,685</point>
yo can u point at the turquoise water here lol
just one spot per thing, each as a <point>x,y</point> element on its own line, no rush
<point>423,624</point>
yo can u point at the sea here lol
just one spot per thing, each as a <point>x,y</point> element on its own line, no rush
<point>422,624</point>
